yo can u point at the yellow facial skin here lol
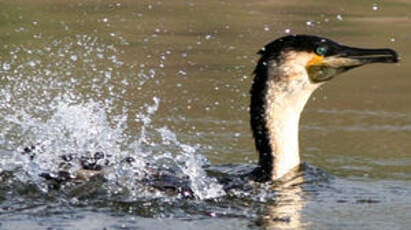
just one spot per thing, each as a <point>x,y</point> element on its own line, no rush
<point>315,60</point>
<point>322,69</point>
<point>316,69</point>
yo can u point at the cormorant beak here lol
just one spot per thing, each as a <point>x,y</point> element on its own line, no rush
<point>345,58</point>
<point>365,56</point>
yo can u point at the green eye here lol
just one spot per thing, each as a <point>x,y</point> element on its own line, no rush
<point>321,51</point>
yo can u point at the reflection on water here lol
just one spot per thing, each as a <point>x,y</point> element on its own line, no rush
<point>289,202</point>
<point>166,83</point>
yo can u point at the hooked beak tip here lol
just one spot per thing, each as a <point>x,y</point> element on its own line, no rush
<point>371,55</point>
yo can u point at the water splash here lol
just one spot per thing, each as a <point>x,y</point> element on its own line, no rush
<point>68,100</point>
<point>192,165</point>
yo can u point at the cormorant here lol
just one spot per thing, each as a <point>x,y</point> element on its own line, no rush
<point>290,69</point>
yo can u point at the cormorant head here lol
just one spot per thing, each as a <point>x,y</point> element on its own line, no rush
<point>320,58</point>
<point>288,72</point>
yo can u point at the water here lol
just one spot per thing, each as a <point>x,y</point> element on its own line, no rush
<point>167,84</point>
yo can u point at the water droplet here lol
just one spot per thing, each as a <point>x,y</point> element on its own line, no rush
<point>186,193</point>
<point>20,29</point>
<point>105,20</point>
<point>32,63</point>
<point>266,28</point>
<point>182,73</point>
<point>287,31</point>
<point>392,39</point>
<point>308,23</point>
<point>6,66</point>
<point>375,7</point>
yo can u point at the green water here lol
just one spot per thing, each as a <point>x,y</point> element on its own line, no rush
<point>357,128</point>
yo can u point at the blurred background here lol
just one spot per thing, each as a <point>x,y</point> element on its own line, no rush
<point>185,67</point>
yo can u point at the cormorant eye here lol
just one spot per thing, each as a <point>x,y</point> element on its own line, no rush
<point>321,51</point>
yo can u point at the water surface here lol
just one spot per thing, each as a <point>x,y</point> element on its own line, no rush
<point>167,83</point>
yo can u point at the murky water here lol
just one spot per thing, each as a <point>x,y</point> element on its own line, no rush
<point>167,83</point>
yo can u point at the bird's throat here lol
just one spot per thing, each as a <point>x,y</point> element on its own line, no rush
<point>275,121</point>
<point>282,121</point>
<point>283,107</point>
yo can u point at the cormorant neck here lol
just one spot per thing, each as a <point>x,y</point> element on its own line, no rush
<point>277,100</point>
